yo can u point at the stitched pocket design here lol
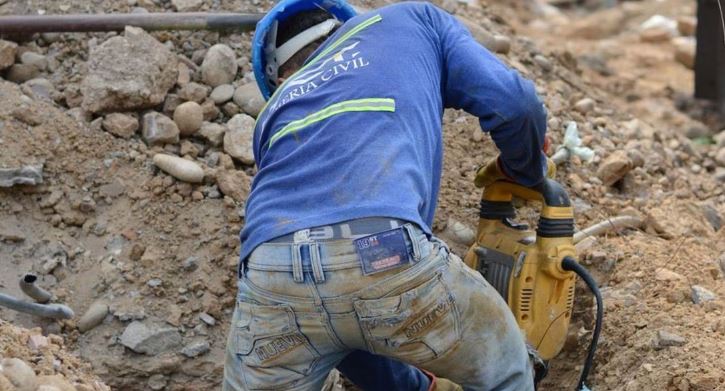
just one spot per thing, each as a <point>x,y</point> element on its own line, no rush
<point>417,326</point>
<point>274,353</point>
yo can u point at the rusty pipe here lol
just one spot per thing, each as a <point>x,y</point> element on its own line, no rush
<point>27,285</point>
<point>53,311</point>
<point>24,24</point>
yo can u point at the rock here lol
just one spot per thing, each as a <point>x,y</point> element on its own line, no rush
<point>40,89</point>
<point>233,183</point>
<point>187,5</point>
<point>188,117</point>
<point>687,25</point>
<point>93,316</point>
<point>654,35</point>
<point>599,25</point>
<point>697,130</point>
<point>27,175</point>
<point>20,73</point>
<point>20,374</point>
<point>501,44</point>
<point>222,93</point>
<point>190,264</point>
<point>121,125</point>
<point>157,382</point>
<point>159,129</point>
<point>685,48</point>
<point>721,262</point>
<point>720,174</point>
<point>720,157</point>
<point>665,339</point>
<point>128,73</point>
<point>213,133</point>
<point>543,63</point>
<point>459,232</point>
<point>36,60</point>
<point>7,53</point>
<point>219,66</point>
<point>239,138</point>
<point>712,216</point>
<point>249,98</point>
<point>181,169</point>
<point>614,168</point>
<point>701,294</point>
<point>584,106</point>
<point>194,92</point>
<point>662,274</point>
<point>196,348</point>
<point>37,342</point>
<point>149,338</point>
<point>208,319</point>
<point>54,382</point>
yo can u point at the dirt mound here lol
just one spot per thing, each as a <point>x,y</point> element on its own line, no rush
<point>29,359</point>
<point>107,229</point>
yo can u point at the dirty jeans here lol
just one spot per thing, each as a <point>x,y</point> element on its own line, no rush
<point>303,307</point>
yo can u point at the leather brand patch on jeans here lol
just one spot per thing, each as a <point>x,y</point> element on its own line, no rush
<point>278,346</point>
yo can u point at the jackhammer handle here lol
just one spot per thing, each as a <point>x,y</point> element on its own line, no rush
<point>550,192</point>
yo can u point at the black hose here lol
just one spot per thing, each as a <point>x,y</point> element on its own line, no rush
<point>570,264</point>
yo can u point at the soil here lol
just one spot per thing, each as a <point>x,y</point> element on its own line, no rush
<point>128,235</point>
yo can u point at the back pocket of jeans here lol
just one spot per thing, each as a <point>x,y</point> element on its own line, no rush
<point>417,326</point>
<point>274,353</point>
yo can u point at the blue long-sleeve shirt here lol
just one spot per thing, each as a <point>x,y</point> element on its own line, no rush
<point>357,131</point>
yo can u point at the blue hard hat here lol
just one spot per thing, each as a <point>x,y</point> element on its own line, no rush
<point>266,32</point>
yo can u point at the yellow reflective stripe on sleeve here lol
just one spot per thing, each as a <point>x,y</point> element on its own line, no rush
<point>369,104</point>
<point>364,24</point>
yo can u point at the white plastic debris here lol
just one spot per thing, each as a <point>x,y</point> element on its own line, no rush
<point>572,145</point>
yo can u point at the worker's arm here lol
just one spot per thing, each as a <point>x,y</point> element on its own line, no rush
<point>505,103</point>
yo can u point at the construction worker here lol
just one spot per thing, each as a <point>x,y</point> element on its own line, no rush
<point>337,249</point>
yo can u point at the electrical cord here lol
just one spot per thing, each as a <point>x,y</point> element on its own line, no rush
<point>570,264</point>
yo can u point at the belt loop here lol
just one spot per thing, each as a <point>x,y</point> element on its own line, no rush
<point>297,275</point>
<point>413,241</point>
<point>317,271</point>
<point>240,269</point>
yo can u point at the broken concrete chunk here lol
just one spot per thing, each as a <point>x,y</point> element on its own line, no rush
<point>149,338</point>
<point>213,133</point>
<point>234,183</point>
<point>128,72</point>
<point>27,175</point>
<point>196,348</point>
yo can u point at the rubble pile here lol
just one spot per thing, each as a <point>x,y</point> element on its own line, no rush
<point>127,159</point>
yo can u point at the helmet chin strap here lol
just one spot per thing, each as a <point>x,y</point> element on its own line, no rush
<point>278,56</point>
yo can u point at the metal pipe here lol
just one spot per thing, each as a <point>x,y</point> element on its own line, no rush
<point>27,285</point>
<point>23,24</point>
<point>53,311</point>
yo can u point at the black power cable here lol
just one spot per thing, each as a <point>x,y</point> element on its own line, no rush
<point>570,264</point>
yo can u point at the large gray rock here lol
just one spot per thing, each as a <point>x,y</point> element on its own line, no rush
<point>249,98</point>
<point>128,73</point>
<point>219,66</point>
<point>149,338</point>
<point>239,138</point>
<point>665,339</point>
<point>7,53</point>
<point>121,125</point>
<point>20,73</point>
<point>222,93</point>
<point>614,167</point>
<point>159,129</point>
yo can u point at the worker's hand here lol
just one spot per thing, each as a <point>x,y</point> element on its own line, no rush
<point>492,172</point>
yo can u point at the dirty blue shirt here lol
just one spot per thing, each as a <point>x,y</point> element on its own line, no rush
<point>357,131</point>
